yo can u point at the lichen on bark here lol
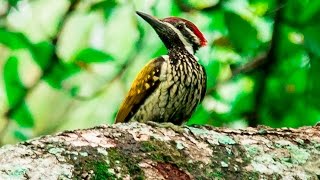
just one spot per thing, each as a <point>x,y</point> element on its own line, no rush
<point>139,151</point>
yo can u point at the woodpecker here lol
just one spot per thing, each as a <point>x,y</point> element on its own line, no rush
<point>169,87</point>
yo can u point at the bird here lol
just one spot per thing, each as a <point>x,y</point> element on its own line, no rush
<point>168,88</point>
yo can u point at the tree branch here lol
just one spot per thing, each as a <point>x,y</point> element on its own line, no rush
<point>261,64</point>
<point>5,13</point>
<point>266,68</point>
<point>251,66</point>
<point>246,68</point>
<point>138,151</point>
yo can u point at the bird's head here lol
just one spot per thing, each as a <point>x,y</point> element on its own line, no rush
<point>176,32</point>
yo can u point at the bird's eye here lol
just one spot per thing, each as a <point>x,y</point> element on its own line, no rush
<point>180,26</point>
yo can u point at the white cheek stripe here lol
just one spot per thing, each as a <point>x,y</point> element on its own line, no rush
<point>165,57</point>
<point>186,44</point>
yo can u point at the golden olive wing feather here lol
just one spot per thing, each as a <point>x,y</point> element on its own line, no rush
<point>142,87</point>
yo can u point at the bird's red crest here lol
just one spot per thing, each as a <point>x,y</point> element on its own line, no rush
<point>191,26</point>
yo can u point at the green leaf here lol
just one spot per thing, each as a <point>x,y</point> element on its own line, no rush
<point>42,53</point>
<point>13,2</point>
<point>301,12</point>
<point>262,7</point>
<point>196,4</point>
<point>107,6</point>
<point>91,55</point>
<point>20,135</point>
<point>243,103</point>
<point>312,39</point>
<point>200,116</point>
<point>285,46</point>
<point>313,82</point>
<point>15,90</point>
<point>217,22</point>
<point>74,91</point>
<point>13,40</point>
<point>213,69</point>
<point>23,116</point>
<point>59,73</point>
<point>242,34</point>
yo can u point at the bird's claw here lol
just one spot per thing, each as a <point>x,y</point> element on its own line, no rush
<point>175,128</point>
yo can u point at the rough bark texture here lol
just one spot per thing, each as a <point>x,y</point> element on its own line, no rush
<point>140,151</point>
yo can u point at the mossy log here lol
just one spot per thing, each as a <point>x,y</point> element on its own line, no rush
<point>140,151</point>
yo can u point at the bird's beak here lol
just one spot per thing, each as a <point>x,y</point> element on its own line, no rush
<point>153,21</point>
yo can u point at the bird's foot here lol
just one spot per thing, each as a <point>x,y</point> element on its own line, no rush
<point>175,128</point>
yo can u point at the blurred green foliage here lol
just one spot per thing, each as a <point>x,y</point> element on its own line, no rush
<point>68,64</point>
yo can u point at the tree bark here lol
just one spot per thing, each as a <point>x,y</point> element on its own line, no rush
<point>140,151</point>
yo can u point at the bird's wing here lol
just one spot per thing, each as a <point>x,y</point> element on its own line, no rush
<point>204,84</point>
<point>142,87</point>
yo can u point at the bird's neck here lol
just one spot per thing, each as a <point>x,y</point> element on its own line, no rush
<point>180,53</point>
<point>182,49</point>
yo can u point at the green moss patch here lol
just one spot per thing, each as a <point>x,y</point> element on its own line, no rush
<point>89,163</point>
<point>127,163</point>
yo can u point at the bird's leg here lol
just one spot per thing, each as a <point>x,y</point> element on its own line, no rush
<point>175,128</point>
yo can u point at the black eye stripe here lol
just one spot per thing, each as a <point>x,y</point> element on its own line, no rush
<point>186,33</point>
